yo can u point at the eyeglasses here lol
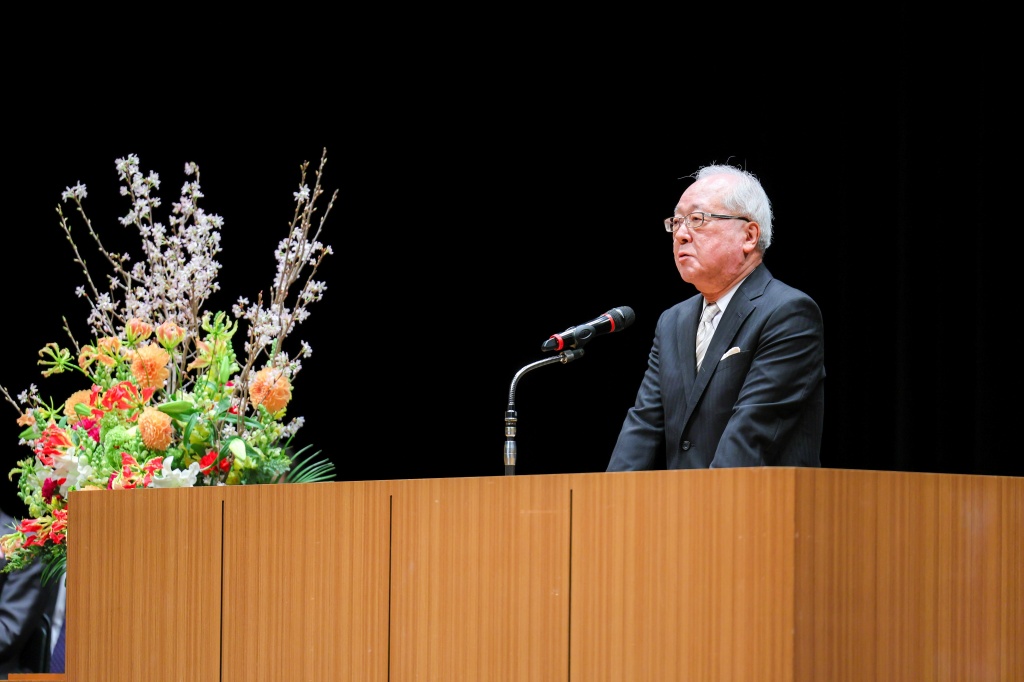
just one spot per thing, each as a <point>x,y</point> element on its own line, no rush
<point>696,219</point>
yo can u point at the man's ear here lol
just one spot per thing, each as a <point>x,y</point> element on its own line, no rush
<point>751,233</point>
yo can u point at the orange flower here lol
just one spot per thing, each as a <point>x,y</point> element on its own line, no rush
<point>155,429</point>
<point>26,419</point>
<point>109,349</point>
<point>169,334</point>
<point>149,366</point>
<point>136,330</point>
<point>11,543</point>
<point>84,396</point>
<point>106,350</point>
<point>203,355</point>
<point>270,388</point>
<point>207,354</point>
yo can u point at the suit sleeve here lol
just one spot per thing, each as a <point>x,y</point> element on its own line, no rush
<point>642,435</point>
<point>23,600</point>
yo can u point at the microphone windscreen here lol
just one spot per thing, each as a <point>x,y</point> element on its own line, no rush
<point>626,319</point>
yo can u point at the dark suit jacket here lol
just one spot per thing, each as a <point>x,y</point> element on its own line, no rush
<point>763,405</point>
<point>23,600</point>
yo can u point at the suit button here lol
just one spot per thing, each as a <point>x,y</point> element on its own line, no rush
<point>685,446</point>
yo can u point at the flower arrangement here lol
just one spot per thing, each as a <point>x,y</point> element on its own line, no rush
<point>165,401</point>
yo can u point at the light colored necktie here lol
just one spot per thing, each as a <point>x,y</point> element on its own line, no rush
<point>705,331</point>
<point>57,656</point>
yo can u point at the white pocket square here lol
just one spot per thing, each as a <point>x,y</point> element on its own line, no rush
<point>731,351</point>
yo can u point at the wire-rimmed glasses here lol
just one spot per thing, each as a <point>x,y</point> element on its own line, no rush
<point>696,219</point>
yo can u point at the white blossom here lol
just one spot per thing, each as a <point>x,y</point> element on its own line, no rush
<point>78,192</point>
<point>169,477</point>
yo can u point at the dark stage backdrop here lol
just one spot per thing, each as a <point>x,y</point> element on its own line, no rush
<point>465,235</point>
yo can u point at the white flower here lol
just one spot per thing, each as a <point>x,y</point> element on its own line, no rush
<point>175,478</point>
<point>66,467</point>
<point>84,476</point>
<point>78,192</point>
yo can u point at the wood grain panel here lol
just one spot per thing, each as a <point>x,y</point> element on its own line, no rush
<point>143,592</point>
<point>909,576</point>
<point>797,574</point>
<point>306,582</point>
<point>480,582</point>
<point>971,587</point>
<point>745,575</point>
<point>683,575</point>
<point>1011,576</point>
<point>836,582</point>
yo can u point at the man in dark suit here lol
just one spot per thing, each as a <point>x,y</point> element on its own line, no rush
<point>757,398</point>
<point>23,601</point>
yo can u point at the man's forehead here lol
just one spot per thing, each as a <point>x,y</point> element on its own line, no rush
<point>705,188</point>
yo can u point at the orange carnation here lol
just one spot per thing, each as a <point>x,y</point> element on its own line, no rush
<point>155,429</point>
<point>149,366</point>
<point>82,396</point>
<point>270,388</point>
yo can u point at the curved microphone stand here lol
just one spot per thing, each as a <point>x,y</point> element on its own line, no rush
<point>510,414</point>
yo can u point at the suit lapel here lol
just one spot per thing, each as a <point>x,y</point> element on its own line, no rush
<point>688,342</point>
<point>741,305</point>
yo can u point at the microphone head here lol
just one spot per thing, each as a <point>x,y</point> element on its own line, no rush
<point>623,316</point>
<point>614,320</point>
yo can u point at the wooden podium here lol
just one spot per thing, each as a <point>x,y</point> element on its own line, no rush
<point>765,574</point>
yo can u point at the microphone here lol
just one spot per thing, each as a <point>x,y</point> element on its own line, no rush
<point>614,320</point>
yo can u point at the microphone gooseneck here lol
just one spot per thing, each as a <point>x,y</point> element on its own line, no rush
<point>570,344</point>
<point>510,414</point>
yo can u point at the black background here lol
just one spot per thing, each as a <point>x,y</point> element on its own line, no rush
<point>476,217</point>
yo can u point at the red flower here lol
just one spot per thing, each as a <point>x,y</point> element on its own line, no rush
<point>51,488</point>
<point>152,466</point>
<point>90,426</point>
<point>207,461</point>
<point>53,441</point>
<point>125,396</point>
<point>120,396</point>
<point>59,529</point>
<point>29,526</point>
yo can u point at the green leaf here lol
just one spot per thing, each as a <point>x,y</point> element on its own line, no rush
<point>224,413</point>
<point>239,448</point>
<point>188,429</point>
<point>53,568</point>
<point>308,470</point>
<point>178,408</point>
